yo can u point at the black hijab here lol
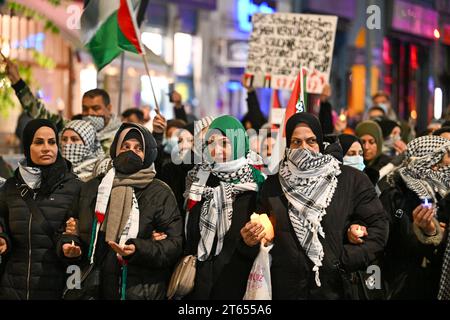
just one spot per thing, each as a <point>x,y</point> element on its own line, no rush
<point>312,122</point>
<point>50,174</point>
<point>386,126</point>
<point>137,132</point>
<point>440,131</point>
<point>346,141</point>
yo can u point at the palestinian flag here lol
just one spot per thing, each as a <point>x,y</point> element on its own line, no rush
<point>108,27</point>
<point>297,103</point>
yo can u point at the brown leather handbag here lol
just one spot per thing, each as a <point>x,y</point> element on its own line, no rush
<point>183,277</point>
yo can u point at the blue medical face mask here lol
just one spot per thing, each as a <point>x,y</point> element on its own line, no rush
<point>384,106</point>
<point>356,162</point>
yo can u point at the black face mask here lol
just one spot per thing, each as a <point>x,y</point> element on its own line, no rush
<point>128,162</point>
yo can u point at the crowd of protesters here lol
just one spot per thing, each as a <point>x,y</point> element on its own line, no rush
<point>137,195</point>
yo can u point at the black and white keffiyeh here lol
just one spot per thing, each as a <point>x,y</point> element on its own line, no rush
<point>426,177</point>
<point>110,130</point>
<point>217,210</point>
<point>30,175</point>
<point>444,285</point>
<point>83,156</point>
<point>309,181</point>
<point>420,170</point>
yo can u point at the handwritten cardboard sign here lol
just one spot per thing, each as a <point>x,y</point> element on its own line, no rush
<point>282,43</point>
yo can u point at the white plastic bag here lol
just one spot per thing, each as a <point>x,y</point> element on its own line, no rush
<point>259,286</point>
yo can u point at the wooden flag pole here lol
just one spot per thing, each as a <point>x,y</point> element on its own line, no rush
<point>122,69</point>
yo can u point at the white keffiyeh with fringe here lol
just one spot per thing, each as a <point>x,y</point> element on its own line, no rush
<point>217,210</point>
<point>309,181</point>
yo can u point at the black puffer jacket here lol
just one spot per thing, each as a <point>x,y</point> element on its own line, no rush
<point>354,201</point>
<point>150,267</point>
<point>34,267</point>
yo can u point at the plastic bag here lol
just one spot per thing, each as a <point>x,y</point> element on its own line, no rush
<point>259,286</point>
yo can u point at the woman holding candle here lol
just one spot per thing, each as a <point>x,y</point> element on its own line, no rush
<point>414,252</point>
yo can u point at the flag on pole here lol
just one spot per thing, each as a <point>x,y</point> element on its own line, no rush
<point>108,27</point>
<point>276,112</point>
<point>129,36</point>
<point>296,104</point>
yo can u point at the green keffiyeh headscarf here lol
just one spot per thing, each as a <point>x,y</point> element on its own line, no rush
<point>232,128</point>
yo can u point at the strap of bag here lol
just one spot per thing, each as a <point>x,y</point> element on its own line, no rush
<point>350,285</point>
<point>25,193</point>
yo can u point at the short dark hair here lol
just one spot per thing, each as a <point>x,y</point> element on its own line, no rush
<point>129,112</point>
<point>96,93</point>
<point>378,108</point>
<point>175,123</point>
<point>381,94</point>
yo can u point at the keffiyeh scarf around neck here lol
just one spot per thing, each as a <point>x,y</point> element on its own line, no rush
<point>309,181</point>
<point>30,175</point>
<point>216,213</point>
<point>109,131</point>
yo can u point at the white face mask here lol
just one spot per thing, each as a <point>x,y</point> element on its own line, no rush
<point>384,106</point>
<point>356,162</point>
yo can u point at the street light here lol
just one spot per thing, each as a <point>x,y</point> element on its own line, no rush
<point>437,103</point>
<point>437,34</point>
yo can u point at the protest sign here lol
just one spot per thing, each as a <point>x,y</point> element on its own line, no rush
<point>282,43</point>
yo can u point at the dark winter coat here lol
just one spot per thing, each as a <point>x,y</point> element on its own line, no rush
<point>354,201</point>
<point>35,267</point>
<point>150,267</point>
<point>326,117</point>
<point>223,277</point>
<point>175,177</point>
<point>379,162</point>
<point>411,269</point>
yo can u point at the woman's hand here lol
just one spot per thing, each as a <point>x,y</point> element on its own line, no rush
<point>3,246</point>
<point>157,236</point>
<point>423,218</point>
<point>71,250</point>
<point>71,226</point>
<point>248,87</point>
<point>355,233</point>
<point>443,226</point>
<point>400,146</point>
<point>123,251</point>
<point>252,233</point>
<point>159,123</point>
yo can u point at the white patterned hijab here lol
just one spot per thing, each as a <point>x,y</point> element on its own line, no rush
<point>421,171</point>
<point>90,149</point>
<point>309,181</point>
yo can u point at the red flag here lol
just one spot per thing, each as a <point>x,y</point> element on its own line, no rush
<point>276,99</point>
<point>274,109</point>
<point>296,98</point>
